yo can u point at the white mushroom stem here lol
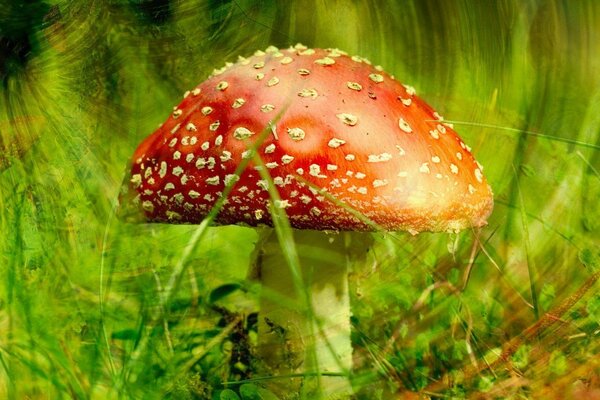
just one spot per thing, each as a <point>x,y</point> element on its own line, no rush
<point>304,324</point>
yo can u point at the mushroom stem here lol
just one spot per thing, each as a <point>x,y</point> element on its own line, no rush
<point>304,327</point>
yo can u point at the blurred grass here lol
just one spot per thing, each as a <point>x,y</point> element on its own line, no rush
<point>83,82</point>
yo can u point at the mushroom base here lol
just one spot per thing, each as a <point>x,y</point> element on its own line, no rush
<point>304,322</point>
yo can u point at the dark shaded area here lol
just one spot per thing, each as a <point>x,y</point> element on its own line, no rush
<point>18,24</point>
<point>152,11</point>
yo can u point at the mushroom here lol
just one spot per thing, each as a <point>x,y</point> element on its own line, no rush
<point>336,144</point>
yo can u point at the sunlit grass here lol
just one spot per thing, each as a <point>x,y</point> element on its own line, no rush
<point>92,307</point>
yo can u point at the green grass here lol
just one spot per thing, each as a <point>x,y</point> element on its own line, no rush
<point>91,307</point>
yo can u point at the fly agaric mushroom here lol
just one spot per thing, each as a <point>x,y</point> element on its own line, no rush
<point>348,148</point>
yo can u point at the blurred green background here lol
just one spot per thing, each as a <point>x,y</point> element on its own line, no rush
<point>94,308</point>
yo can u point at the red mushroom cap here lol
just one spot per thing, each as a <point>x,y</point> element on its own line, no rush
<point>336,123</point>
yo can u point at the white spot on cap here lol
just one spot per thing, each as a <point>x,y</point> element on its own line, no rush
<point>471,189</point>
<point>380,182</point>
<point>315,170</point>
<point>259,76</point>
<point>478,175</point>
<point>401,151</point>
<point>270,148</point>
<point>296,133</point>
<point>300,171</point>
<point>312,93</point>
<point>304,71</point>
<point>204,146</point>
<point>307,52</point>
<point>259,65</point>
<point>247,154</point>
<point>459,155</point>
<point>335,143</point>
<point>404,126</point>
<point>173,142</point>
<point>177,171</point>
<point>286,60</point>
<point>206,110</point>
<point>350,157</point>
<point>230,179</point>
<point>377,78</point>
<point>286,159</point>
<point>434,134</point>
<point>163,169</point>
<point>173,215</point>
<point>222,85</point>
<point>237,103</point>
<point>213,180</point>
<point>282,204</point>
<point>175,128</point>
<point>424,168</point>
<point>347,119</point>
<point>410,90</point>
<point>191,127</point>
<point>225,156</point>
<point>267,107</point>
<point>407,102</point>
<point>315,211</point>
<point>219,140</point>
<point>148,206</point>
<point>271,165</point>
<point>258,214</point>
<point>201,162</point>
<point>305,199</point>
<point>196,92</point>
<point>177,113</point>
<point>211,162</point>
<point>362,190</point>
<point>435,159</point>
<point>354,86</point>
<point>193,194</point>
<point>136,180</point>
<point>178,197</point>
<point>169,186</point>
<point>332,167</point>
<point>242,133</point>
<point>441,128</point>
<point>373,158</point>
<point>453,169</point>
<point>359,175</point>
<point>263,184</point>
<point>325,61</point>
<point>214,126</point>
<point>273,81</point>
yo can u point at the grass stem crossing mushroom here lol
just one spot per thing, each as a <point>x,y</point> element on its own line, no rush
<point>348,149</point>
